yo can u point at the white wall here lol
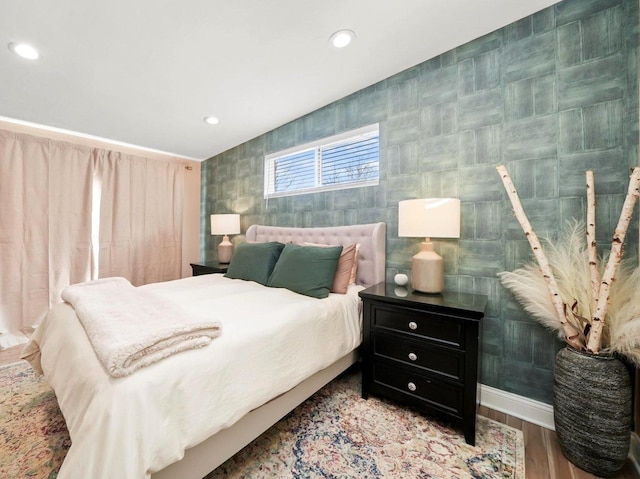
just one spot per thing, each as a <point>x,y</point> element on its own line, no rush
<point>191,218</point>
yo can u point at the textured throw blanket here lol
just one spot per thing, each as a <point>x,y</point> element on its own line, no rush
<point>130,328</point>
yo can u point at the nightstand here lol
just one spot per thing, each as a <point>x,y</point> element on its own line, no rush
<point>423,350</point>
<point>208,268</point>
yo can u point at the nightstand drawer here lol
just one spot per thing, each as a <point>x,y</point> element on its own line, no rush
<point>441,329</point>
<point>433,393</point>
<point>437,360</point>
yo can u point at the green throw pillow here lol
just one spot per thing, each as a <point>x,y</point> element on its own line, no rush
<point>254,261</point>
<point>307,270</point>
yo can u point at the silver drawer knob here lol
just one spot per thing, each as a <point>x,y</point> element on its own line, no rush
<point>413,325</point>
<point>411,387</point>
<point>412,356</point>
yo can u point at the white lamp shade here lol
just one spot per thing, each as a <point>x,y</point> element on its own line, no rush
<point>429,218</point>
<point>228,224</point>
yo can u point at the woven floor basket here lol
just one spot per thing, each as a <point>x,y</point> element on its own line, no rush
<point>592,410</point>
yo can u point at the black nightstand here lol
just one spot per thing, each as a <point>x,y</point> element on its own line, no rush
<point>208,268</point>
<point>422,350</point>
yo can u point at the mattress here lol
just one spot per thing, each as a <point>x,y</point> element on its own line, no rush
<point>272,339</point>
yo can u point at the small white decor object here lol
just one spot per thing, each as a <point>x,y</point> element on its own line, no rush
<point>401,279</point>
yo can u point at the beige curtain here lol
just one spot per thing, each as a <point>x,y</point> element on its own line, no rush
<point>45,227</point>
<point>70,213</point>
<point>140,218</point>
<point>71,178</point>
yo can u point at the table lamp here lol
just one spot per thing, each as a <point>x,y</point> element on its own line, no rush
<point>428,218</point>
<point>228,224</point>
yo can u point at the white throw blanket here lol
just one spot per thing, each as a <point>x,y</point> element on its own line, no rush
<point>130,328</point>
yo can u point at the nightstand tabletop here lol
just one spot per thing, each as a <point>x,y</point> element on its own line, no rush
<point>208,267</point>
<point>472,305</point>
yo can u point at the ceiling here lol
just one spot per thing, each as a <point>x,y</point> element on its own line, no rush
<point>146,72</point>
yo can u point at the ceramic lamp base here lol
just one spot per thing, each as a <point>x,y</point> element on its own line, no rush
<point>225,250</point>
<point>427,270</point>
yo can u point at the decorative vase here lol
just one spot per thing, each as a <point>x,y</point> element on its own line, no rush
<point>592,410</point>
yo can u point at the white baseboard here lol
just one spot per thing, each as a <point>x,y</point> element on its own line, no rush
<point>634,452</point>
<point>530,410</point>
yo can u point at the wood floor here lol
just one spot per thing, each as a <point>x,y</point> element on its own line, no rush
<point>543,457</point>
<point>544,460</point>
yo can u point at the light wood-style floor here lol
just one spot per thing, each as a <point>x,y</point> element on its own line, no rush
<point>544,460</point>
<point>543,457</point>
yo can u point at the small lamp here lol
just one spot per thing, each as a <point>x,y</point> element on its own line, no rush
<point>428,218</point>
<point>225,225</point>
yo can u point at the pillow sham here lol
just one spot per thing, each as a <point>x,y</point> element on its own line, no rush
<point>307,270</point>
<point>354,271</point>
<point>254,261</point>
<point>343,269</point>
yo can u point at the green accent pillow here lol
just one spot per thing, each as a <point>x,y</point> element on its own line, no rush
<point>307,270</point>
<point>254,261</point>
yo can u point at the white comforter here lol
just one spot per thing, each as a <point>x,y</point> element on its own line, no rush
<point>130,427</point>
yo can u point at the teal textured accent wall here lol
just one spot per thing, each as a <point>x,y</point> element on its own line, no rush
<point>549,96</point>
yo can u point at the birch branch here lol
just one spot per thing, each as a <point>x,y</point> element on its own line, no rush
<point>591,241</point>
<point>570,334</point>
<point>594,342</point>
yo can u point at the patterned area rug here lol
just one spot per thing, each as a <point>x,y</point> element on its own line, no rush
<point>334,434</point>
<point>33,434</point>
<point>337,434</point>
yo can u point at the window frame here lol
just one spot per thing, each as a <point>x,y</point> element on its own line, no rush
<point>270,159</point>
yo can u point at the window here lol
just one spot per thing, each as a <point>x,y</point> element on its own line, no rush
<point>347,160</point>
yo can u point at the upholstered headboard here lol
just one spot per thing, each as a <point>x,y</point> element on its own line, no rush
<point>372,239</point>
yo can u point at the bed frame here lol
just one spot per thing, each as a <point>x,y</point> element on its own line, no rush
<point>206,456</point>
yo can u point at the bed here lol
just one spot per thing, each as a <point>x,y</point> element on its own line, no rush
<point>185,415</point>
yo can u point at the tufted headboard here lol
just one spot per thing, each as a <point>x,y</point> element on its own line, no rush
<point>372,239</point>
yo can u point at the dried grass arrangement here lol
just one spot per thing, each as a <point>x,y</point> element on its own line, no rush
<point>593,303</point>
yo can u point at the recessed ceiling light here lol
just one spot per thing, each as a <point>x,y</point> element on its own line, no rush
<point>211,120</point>
<point>342,38</point>
<point>24,50</point>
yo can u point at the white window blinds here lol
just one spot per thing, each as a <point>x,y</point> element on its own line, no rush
<point>347,160</point>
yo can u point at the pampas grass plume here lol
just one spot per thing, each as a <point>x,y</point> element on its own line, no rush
<point>568,258</point>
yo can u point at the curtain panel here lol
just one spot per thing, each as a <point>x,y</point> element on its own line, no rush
<point>71,213</point>
<point>140,218</point>
<point>24,265</point>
